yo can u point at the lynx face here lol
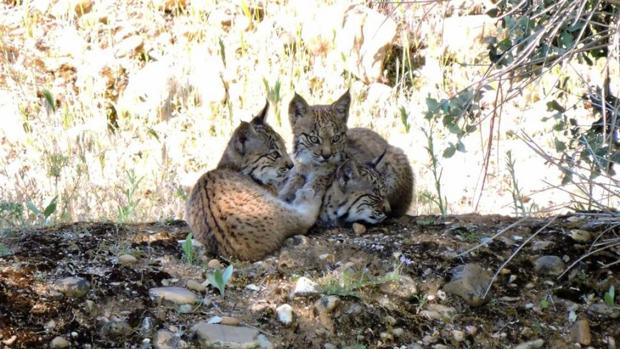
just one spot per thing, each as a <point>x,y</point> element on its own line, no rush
<point>319,130</point>
<point>256,150</point>
<point>356,195</point>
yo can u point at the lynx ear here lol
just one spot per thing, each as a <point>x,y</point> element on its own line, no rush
<point>341,106</point>
<point>379,161</point>
<point>242,135</point>
<point>260,118</point>
<point>346,172</point>
<point>297,108</point>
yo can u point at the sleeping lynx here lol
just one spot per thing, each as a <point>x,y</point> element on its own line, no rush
<point>322,140</point>
<point>232,210</point>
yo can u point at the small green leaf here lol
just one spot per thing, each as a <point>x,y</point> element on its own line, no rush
<point>246,9</point>
<point>450,150</point>
<point>49,99</point>
<point>610,296</point>
<point>492,12</point>
<point>460,146</point>
<point>51,208</point>
<point>554,105</point>
<point>33,208</point>
<point>559,145</point>
<point>227,274</point>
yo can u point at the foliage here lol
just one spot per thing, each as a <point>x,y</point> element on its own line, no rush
<point>127,211</point>
<point>11,214</point>
<point>45,214</point>
<point>219,279</point>
<point>4,250</point>
<point>273,95</point>
<point>188,249</point>
<point>518,200</point>
<point>440,200</point>
<point>349,283</point>
<point>610,296</point>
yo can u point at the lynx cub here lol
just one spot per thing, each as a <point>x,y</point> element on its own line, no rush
<point>232,210</point>
<point>322,140</point>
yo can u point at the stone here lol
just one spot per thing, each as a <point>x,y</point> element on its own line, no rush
<point>146,326</point>
<point>469,282</point>
<point>165,339</point>
<point>127,260</point>
<point>285,314</point>
<point>223,336</point>
<point>327,303</point>
<point>458,335</point>
<point>59,343</point>
<point>580,332</point>
<point>230,321</point>
<point>305,287</point>
<point>580,235</point>
<point>264,342</point>
<point>329,346</point>
<point>405,288</point>
<point>604,311</point>
<point>359,229</point>
<point>73,286</point>
<point>214,264</point>
<point>195,286</point>
<point>175,295</point>
<point>533,344</point>
<point>549,265</point>
<point>398,332</point>
<point>441,312</point>
<point>116,328</point>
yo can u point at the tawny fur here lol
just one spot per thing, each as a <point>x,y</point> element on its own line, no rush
<point>233,210</point>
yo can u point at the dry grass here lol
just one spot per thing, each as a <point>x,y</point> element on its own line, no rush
<point>176,82</point>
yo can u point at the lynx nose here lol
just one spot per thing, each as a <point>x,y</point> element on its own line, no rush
<point>326,156</point>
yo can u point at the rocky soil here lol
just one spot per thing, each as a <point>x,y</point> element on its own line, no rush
<point>404,284</point>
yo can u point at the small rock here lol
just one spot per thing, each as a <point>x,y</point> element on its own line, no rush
<point>195,286</point>
<point>9,341</point>
<point>329,346</point>
<point>580,333</point>
<point>165,339</point>
<point>253,287</point>
<point>127,260</point>
<point>263,342</point>
<point>116,328</point>
<point>146,327</point>
<point>214,264</point>
<point>50,325</point>
<point>580,235</point>
<point>327,303</point>
<point>440,346</point>
<point>305,287</point>
<point>471,330</point>
<point>541,245</point>
<point>359,229</point>
<point>176,295</point>
<point>73,286</point>
<point>386,336</point>
<point>285,314</point>
<point>59,343</point>
<point>438,312</point>
<point>405,288</point>
<point>535,344</point>
<point>398,332</point>
<point>230,321</point>
<point>603,310</point>
<point>469,282</point>
<point>458,335</point>
<point>223,336</point>
<point>549,265</point>
<point>185,309</point>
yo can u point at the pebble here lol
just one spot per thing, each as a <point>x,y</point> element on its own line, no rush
<point>230,321</point>
<point>405,288</point>
<point>327,303</point>
<point>214,264</point>
<point>603,310</point>
<point>398,332</point>
<point>541,245</point>
<point>223,336</point>
<point>305,287</point>
<point>73,286</point>
<point>438,312</point>
<point>50,325</point>
<point>534,344</point>
<point>458,335</point>
<point>116,328</point>
<point>285,314</point>
<point>549,265</point>
<point>9,341</point>
<point>59,343</point>
<point>165,339</point>
<point>127,260</point>
<point>176,295</point>
<point>386,336</point>
<point>329,346</point>
<point>580,333</point>
<point>359,229</point>
<point>469,282</point>
<point>195,286</point>
<point>580,235</point>
<point>253,287</point>
<point>185,309</point>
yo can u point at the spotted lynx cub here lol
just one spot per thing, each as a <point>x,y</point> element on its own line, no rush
<point>232,209</point>
<point>322,140</point>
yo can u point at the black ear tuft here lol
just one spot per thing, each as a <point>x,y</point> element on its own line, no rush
<point>297,108</point>
<point>260,118</point>
<point>377,162</point>
<point>242,135</point>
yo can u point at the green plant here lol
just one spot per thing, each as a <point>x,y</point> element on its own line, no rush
<point>404,118</point>
<point>349,283</point>
<point>355,346</point>
<point>273,95</point>
<point>11,214</point>
<point>610,296</point>
<point>219,279</point>
<point>127,211</point>
<point>44,214</point>
<point>440,200</point>
<point>517,198</point>
<point>4,250</point>
<point>544,304</point>
<point>188,249</point>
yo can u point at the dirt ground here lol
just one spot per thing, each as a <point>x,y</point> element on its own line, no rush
<point>388,281</point>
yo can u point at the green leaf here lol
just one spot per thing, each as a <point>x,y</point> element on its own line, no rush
<point>554,105</point>
<point>615,157</point>
<point>559,145</point>
<point>33,208</point>
<point>246,9</point>
<point>460,146</point>
<point>450,150</point>
<point>222,51</point>
<point>51,208</point>
<point>49,99</point>
<point>227,274</point>
<point>492,12</point>
<point>610,296</point>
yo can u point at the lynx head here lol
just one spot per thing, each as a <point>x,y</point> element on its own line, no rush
<point>319,131</point>
<point>356,195</point>
<point>256,150</point>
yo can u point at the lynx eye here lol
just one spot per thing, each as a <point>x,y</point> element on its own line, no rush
<point>336,138</point>
<point>275,155</point>
<point>314,139</point>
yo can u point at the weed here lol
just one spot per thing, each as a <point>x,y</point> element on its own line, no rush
<point>544,304</point>
<point>610,296</point>
<point>517,198</point>
<point>349,283</point>
<point>127,211</point>
<point>422,301</point>
<point>219,279</point>
<point>4,250</point>
<point>11,214</point>
<point>188,249</point>
<point>43,215</point>
<point>404,118</point>
<point>273,95</point>
<point>355,346</point>
<point>440,200</point>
